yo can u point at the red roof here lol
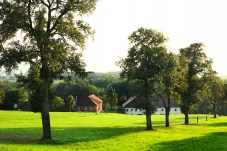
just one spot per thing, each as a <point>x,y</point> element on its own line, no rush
<point>95,99</point>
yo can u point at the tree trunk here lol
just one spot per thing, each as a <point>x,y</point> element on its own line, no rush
<point>186,119</point>
<point>45,113</point>
<point>148,120</point>
<point>167,118</point>
<point>167,112</point>
<point>215,110</point>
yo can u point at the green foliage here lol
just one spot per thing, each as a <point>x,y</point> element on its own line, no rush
<point>80,87</point>
<point>51,36</point>
<point>124,90</point>
<point>15,95</point>
<point>111,96</point>
<point>102,80</point>
<point>57,104</point>
<point>213,92</point>
<point>2,96</point>
<point>144,65</point>
<point>195,70</point>
<point>70,101</point>
<point>6,85</point>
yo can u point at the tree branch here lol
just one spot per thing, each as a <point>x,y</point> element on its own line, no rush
<point>30,19</point>
<point>67,8</point>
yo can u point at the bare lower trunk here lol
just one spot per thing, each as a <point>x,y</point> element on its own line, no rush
<point>215,110</point>
<point>167,113</point>
<point>46,125</point>
<point>167,119</point>
<point>45,114</point>
<point>186,119</point>
<point>148,120</point>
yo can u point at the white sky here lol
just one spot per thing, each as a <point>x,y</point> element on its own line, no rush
<point>183,21</point>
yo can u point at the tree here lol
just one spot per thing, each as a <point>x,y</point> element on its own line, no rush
<point>124,91</point>
<point>2,96</point>
<point>195,70</point>
<point>112,97</point>
<point>57,103</point>
<point>215,93</point>
<point>105,102</point>
<point>51,36</point>
<point>14,96</point>
<point>224,100</point>
<point>143,65</point>
<point>167,85</point>
<point>70,101</point>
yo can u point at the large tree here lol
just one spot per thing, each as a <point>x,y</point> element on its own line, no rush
<point>167,85</point>
<point>143,65</point>
<point>215,93</point>
<point>51,34</point>
<point>195,70</point>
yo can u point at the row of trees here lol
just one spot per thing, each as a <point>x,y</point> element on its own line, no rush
<point>52,35</point>
<point>156,72</point>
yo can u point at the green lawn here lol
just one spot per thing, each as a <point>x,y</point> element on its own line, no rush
<point>87,131</point>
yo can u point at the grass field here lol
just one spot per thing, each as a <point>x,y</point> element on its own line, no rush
<point>119,132</point>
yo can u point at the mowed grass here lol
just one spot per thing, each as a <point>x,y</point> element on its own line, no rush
<point>88,131</point>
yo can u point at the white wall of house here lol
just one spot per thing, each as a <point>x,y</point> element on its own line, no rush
<point>133,111</point>
<point>173,110</point>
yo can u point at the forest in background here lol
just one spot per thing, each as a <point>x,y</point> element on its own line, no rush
<point>100,84</point>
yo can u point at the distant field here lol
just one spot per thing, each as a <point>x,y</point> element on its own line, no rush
<point>87,131</point>
<point>10,80</point>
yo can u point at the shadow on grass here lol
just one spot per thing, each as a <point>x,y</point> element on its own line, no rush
<point>210,142</point>
<point>218,124</point>
<point>63,136</point>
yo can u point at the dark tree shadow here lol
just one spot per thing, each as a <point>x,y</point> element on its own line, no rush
<point>218,124</point>
<point>213,142</point>
<point>63,136</point>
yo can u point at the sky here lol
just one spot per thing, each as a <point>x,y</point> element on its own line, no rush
<point>183,21</point>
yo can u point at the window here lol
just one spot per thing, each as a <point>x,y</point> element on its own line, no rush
<point>162,109</point>
<point>85,108</point>
<point>78,108</point>
<point>127,110</point>
<point>91,108</point>
<point>175,109</point>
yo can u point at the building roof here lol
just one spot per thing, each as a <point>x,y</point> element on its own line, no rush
<point>85,100</point>
<point>128,103</point>
<point>158,104</point>
<point>95,99</point>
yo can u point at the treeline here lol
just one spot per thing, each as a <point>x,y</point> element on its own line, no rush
<point>113,91</point>
<point>105,85</point>
<point>108,86</point>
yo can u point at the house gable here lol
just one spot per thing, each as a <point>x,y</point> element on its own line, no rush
<point>89,103</point>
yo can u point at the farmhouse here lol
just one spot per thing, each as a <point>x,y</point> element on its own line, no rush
<point>87,103</point>
<point>130,109</point>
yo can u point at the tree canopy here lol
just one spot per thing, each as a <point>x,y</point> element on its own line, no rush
<point>51,35</point>
<point>195,70</point>
<point>144,64</point>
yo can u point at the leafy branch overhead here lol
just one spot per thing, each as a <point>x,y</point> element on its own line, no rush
<point>47,29</point>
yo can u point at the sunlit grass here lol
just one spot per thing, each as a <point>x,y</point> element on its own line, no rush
<point>88,131</point>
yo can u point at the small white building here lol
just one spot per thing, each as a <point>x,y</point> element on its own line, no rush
<point>129,109</point>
